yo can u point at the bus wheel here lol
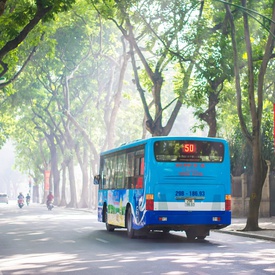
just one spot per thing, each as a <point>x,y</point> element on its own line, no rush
<point>109,227</point>
<point>130,230</point>
<point>191,235</point>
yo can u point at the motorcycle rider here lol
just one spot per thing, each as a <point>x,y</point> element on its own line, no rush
<point>20,200</point>
<point>50,198</point>
<point>20,196</point>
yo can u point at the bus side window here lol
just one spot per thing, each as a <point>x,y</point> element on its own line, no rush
<point>107,173</point>
<point>103,182</point>
<point>130,170</point>
<point>113,168</point>
<point>120,171</point>
<point>142,166</point>
<point>139,172</point>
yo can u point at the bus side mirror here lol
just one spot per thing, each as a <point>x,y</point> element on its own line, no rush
<point>97,179</point>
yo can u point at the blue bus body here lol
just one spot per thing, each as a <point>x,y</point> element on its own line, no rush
<point>166,190</point>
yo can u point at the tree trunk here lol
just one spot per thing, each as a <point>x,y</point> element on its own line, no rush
<point>73,202</point>
<point>56,177</point>
<point>35,193</point>
<point>258,179</point>
<point>209,116</point>
<point>54,169</point>
<point>2,6</point>
<point>63,187</point>
<point>85,178</point>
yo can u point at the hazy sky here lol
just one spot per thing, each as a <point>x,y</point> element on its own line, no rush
<point>11,180</point>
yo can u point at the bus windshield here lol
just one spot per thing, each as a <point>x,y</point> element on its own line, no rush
<point>188,150</point>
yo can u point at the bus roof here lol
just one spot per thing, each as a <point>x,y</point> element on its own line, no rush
<point>138,142</point>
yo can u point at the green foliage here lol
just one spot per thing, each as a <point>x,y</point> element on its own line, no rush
<point>6,126</point>
<point>17,14</point>
<point>241,151</point>
<point>107,9</point>
<point>21,30</point>
<point>268,133</point>
<point>76,43</point>
<point>75,48</point>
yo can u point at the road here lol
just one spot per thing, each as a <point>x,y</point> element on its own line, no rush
<point>34,240</point>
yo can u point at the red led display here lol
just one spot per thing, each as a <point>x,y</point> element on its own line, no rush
<point>189,148</point>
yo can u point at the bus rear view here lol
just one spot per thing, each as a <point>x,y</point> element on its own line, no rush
<point>166,184</point>
<point>191,186</point>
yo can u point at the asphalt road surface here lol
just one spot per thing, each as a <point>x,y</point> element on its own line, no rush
<point>34,240</point>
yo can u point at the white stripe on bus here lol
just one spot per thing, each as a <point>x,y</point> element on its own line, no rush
<point>181,206</point>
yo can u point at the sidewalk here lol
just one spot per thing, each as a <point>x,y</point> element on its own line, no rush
<point>266,224</point>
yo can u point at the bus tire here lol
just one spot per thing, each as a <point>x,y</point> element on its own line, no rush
<point>130,230</point>
<point>190,234</point>
<point>109,227</point>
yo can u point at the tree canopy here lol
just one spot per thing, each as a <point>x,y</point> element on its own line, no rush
<point>78,75</point>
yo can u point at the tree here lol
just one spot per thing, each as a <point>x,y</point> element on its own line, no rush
<point>29,145</point>
<point>157,39</point>
<point>17,21</point>
<point>213,68</point>
<point>2,6</point>
<point>71,93</point>
<point>256,66</point>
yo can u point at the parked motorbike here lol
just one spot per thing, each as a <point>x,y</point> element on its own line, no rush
<point>50,205</point>
<point>20,203</point>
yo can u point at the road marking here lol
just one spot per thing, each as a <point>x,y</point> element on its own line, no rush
<point>101,240</point>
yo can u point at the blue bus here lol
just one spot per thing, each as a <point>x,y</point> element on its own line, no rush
<point>166,183</point>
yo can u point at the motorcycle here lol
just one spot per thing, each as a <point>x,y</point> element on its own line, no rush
<point>50,205</point>
<point>20,203</point>
<point>28,201</point>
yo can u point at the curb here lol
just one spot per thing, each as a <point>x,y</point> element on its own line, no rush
<point>247,234</point>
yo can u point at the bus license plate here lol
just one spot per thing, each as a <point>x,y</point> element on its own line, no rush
<point>189,202</point>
